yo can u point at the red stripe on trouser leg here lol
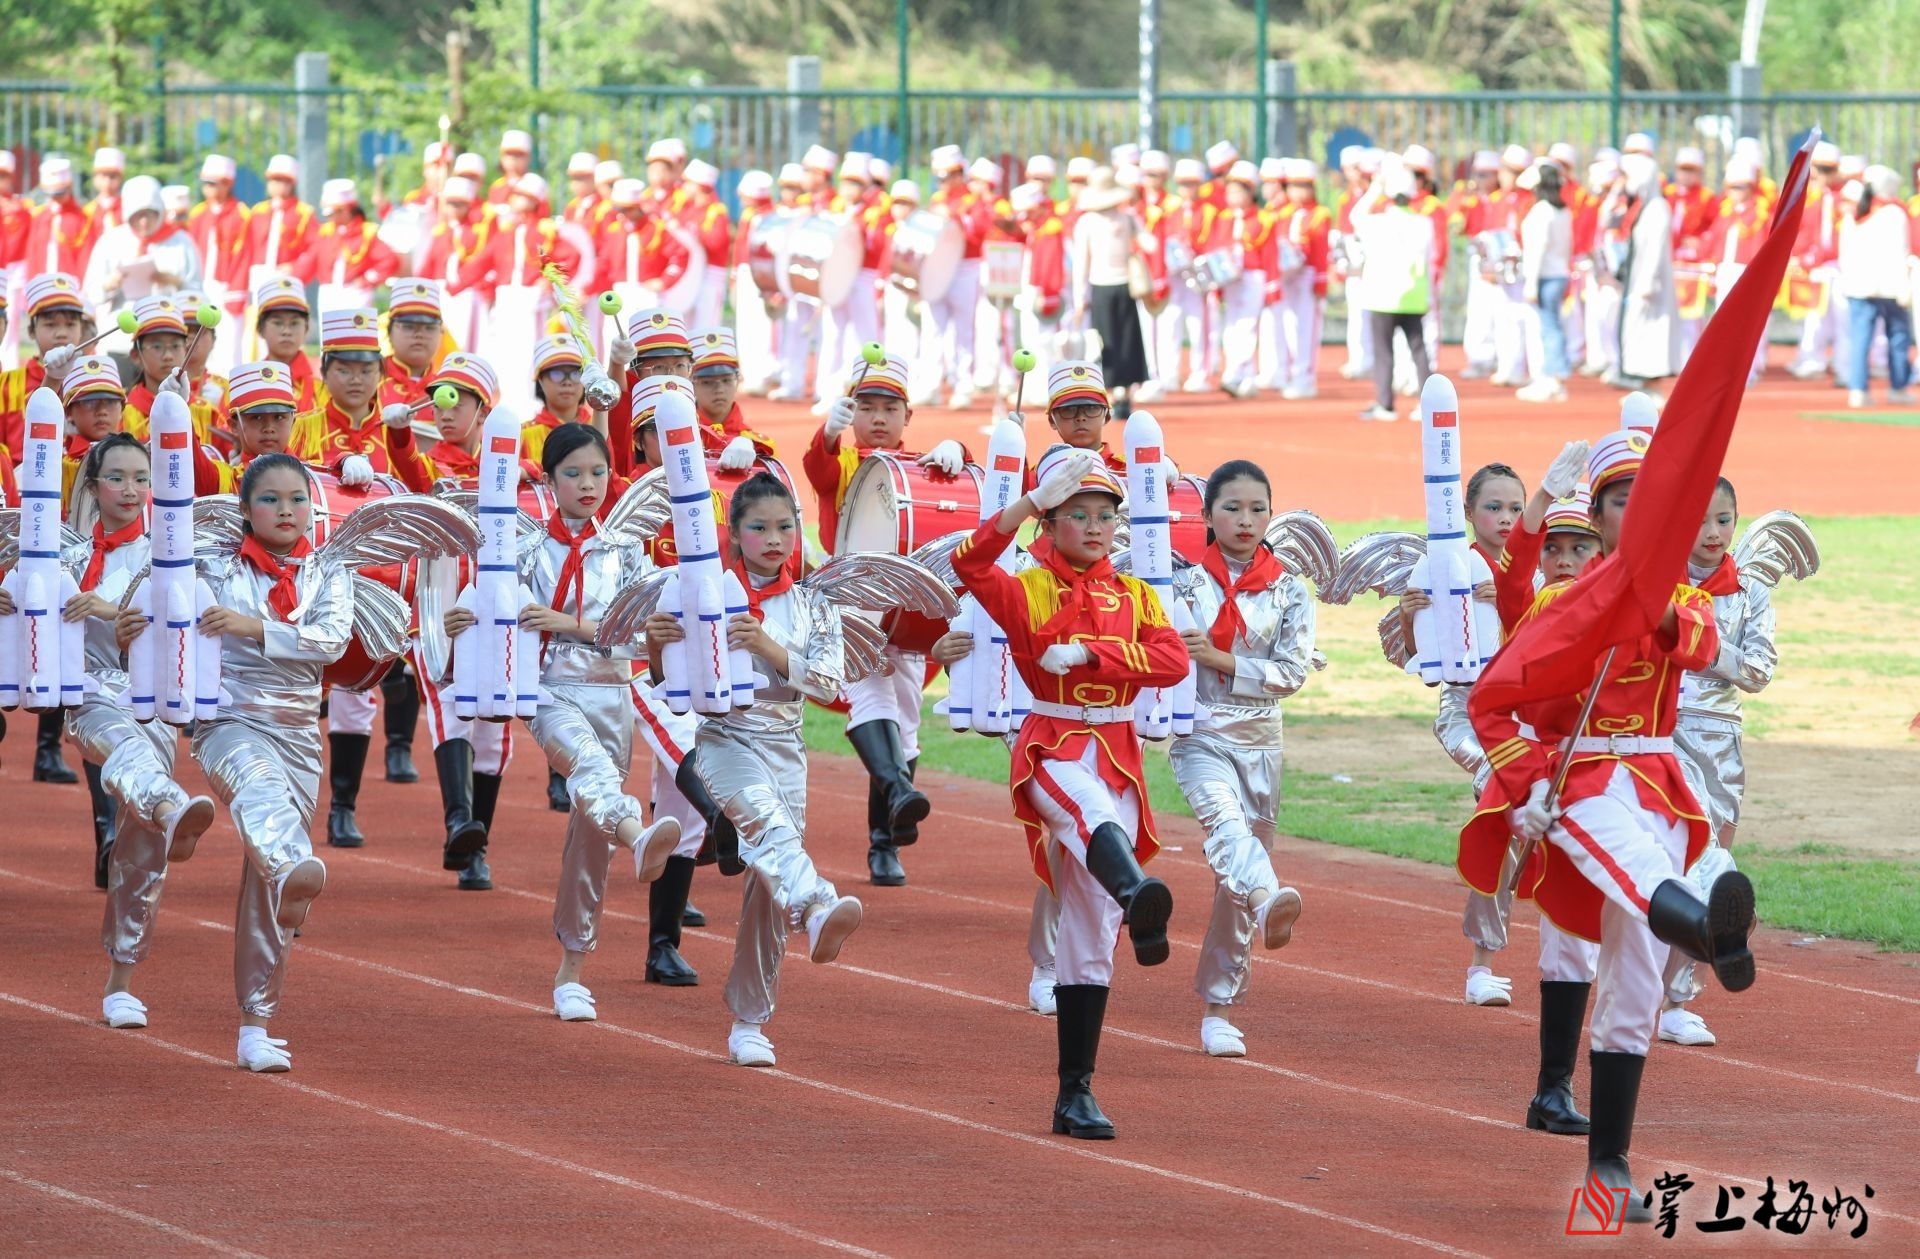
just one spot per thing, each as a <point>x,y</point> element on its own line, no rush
<point>429,700</point>
<point>657,730</point>
<point>1065,803</point>
<point>1605,860</point>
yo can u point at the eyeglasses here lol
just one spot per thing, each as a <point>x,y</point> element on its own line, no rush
<point>1080,412</point>
<point>561,375</point>
<point>1081,519</point>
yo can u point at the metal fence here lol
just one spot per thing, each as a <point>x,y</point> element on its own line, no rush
<point>741,128</point>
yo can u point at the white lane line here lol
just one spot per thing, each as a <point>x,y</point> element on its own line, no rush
<point>107,1208</point>
<point>446,1130</point>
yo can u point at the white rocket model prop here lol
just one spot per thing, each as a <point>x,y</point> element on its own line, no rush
<point>496,664</point>
<point>1455,637</point>
<point>703,675</point>
<point>43,658</point>
<point>173,670</point>
<point>1162,711</point>
<point>987,693</point>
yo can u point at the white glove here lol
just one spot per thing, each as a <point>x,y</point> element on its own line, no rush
<point>947,456</point>
<point>738,456</point>
<point>355,471</point>
<point>1533,818</point>
<point>1064,481</point>
<point>1019,418</point>
<point>397,415</point>
<point>839,417</point>
<point>1061,657</point>
<point>176,384</point>
<point>56,362</point>
<point>620,352</point>
<point>1564,473</point>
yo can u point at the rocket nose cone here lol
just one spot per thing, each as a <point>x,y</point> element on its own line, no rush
<point>1142,430</point>
<point>1637,411</point>
<point>1007,436</point>
<point>170,412</point>
<point>43,407</point>
<point>502,423</point>
<point>1438,394</point>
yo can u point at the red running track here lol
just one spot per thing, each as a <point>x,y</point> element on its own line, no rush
<point>1324,458</point>
<point>436,1105</point>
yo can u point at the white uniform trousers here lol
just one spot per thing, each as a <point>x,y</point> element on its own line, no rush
<point>1626,852</point>
<point>1182,321</point>
<point>1234,792</point>
<point>492,741</point>
<point>1601,309</point>
<point>891,697</point>
<point>1486,302</point>
<point>760,781</point>
<point>1240,306</point>
<point>1074,801</point>
<point>1510,361</point>
<point>136,767</point>
<point>900,321</point>
<point>990,351</point>
<point>587,734</point>
<point>753,331</point>
<point>953,326</point>
<point>1566,958</point>
<point>269,779</point>
<point>352,712</point>
<point>844,329</point>
<point>1823,335</point>
<point>710,304</point>
<point>799,325</point>
<point>669,736</point>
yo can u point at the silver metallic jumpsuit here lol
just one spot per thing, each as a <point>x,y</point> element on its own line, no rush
<point>263,752</point>
<point>585,726</point>
<point>754,764</point>
<point>1229,767</point>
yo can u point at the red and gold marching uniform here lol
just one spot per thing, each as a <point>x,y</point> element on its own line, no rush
<point>220,234</point>
<point>133,420</point>
<point>60,238</point>
<point>341,435</point>
<point>217,474</point>
<point>353,256</point>
<point>452,246</point>
<point>1638,699</point>
<point>1694,211</point>
<point>516,256</point>
<point>277,232</point>
<point>646,253</point>
<point>1308,227</point>
<point>973,213</point>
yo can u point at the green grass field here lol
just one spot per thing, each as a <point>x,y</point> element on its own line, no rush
<point>1899,419</point>
<point>1363,771</point>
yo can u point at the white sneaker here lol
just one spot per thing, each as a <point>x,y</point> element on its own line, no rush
<point>748,1046</point>
<point>1379,414</point>
<point>1040,997</point>
<point>1807,370</point>
<point>1355,371</point>
<point>783,394</point>
<point>654,846</point>
<point>828,927</point>
<point>961,400</point>
<point>1899,398</point>
<point>1273,921</point>
<point>1299,393</point>
<point>1858,399</point>
<point>1683,1027</point>
<point>1486,988</point>
<point>186,826</point>
<point>1475,371</point>
<point>1152,391</point>
<point>1503,382</point>
<point>1221,1038</point>
<point>123,1009</point>
<point>1541,389</point>
<point>1243,389</point>
<point>574,1004</point>
<point>260,1052</point>
<point>294,891</point>
<point>1197,383</point>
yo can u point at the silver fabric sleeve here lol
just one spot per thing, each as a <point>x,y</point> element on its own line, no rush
<point>809,628</point>
<point>1272,660</point>
<point>1747,656</point>
<point>277,683</point>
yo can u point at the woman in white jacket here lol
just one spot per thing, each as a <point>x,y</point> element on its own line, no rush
<point>1546,266</point>
<point>144,256</point>
<point>1873,278</point>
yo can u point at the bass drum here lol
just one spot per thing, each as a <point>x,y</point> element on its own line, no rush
<point>437,583</point>
<point>893,504</point>
<point>678,297</point>
<point>767,253</point>
<point>824,252</point>
<point>927,250</point>
<point>1187,517</point>
<point>332,504</point>
<point>406,230</point>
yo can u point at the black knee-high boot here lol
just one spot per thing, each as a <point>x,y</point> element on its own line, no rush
<point>722,844</point>
<point>47,765</point>
<point>1713,931</point>
<point>883,858</point>
<point>1563,1016</point>
<point>346,763</point>
<point>879,747</point>
<point>1616,1095</point>
<point>1082,1011</point>
<point>103,811</point>
<point>466,834</point>
<point>1146,901</point>
<point>666,901</point>
<point>486,793</point>
<point>401,715</point>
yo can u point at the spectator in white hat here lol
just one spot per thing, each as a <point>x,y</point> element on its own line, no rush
<point>109,173</point>
<point>516,159</point>
<point>1102,248</point>
<point>1393,286</point>
<point>1874,245</point>
<point>146,255</point>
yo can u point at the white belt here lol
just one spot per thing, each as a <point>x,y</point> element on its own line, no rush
<point>1092,716</point>
<point>1620,745</point>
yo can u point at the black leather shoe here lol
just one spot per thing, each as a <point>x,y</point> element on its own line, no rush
<point>665,966</point>
<point>342,830</point>
<point>477,877</point>
<point>400,764</point>
<point>692,917</point>
<point>1554,1111</point>
<point>1076,1114</point>
<point>47,765</point>
<point>557,798</point>
<point>883,867</point>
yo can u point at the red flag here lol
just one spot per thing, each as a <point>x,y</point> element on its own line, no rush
<point>1624,595</point>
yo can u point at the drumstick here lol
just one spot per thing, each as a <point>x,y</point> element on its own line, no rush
<point>443,396</point>
<point>206,315</point>
<point>1023,361</point>
<point>872,354</point>
<point>124,322</point>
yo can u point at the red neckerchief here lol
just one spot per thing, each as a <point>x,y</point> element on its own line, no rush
<point>572,570</point>
<point>284,596</point>
<point>77,447</point>
<point>1724,579</point>
<point>755,597</point>
<point>1262,571</point>
<point>140,398</point>
<point>358,438</point>
<point>735,423</point>
<point>452,459</point>
<point>1074,602</point>
<point>105,544</point>
<point>166,231</point>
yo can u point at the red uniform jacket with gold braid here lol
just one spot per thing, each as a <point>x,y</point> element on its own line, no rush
<point>1640,697</point>
<point>514,256</point>
<point>297,228</point>
<point>626,254</point>
<point>829,468</point>
<point>356,256</point>
<point>60,237</point>
<point>341,435</point>
<point>1694,210</point>
<point>749,211</point>
<point>714,227</point>
<point>1047,263</point>
<point>1306,227</point>
<point>1513,573</point>
<point>1133,647</point>
<point>215,473</point>
<point>973,214</point>
<point>134,417</point>
<point>1735,234</point>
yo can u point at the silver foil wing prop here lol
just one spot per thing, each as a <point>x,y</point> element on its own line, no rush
<point>451,492</point>
<point>641,512</point>
<point>863,645</point>
<point>1302,542</point>
<point>380,620</point>
<point>401,528</point>
<point>1380,562</point>
<point>73,545</point>
<point>1776,545</point>
<point>1393,638</point>
<point>527,530</point>
<point>219,526</point>
<point>879,582</point>
<point>625,619</point>
<point>75,550</point>
<point>937,556</point>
